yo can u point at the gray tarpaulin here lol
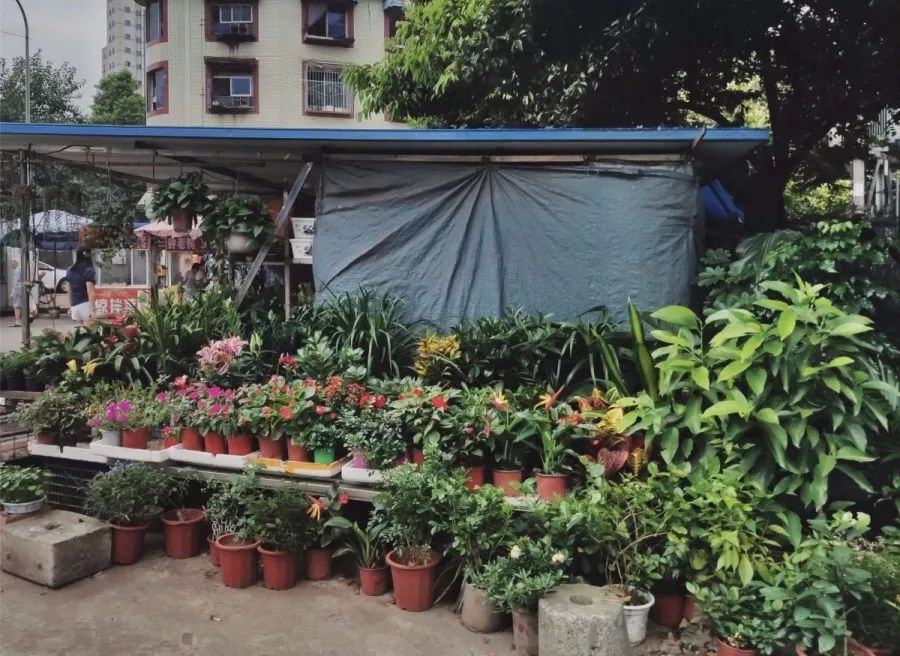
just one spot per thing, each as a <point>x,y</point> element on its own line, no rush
<point>463,240</point>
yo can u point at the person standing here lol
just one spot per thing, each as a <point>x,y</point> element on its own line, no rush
<point>194,280</point>
<point>82,278</point>
<point>15,291</point>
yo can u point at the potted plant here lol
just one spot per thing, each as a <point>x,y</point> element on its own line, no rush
<point>367,548</point>
<point>266,410</point>
<point>322,439</point>
<point>180,200</point>
<point>744,621</point>
<point>142,414</point>
<point>240,223</point>
<point>237,549</point>
<point>318,554</point>
<point>874,619</point>
<point>421,410</point>
<point>228,506</point>
<point>126,496</point>
<point>373,437</point>
<point>468,434</point>
<point>109,418</point>
<point>52,417</point>
<point>403,508</point>
<point>183,527</point>
<point>282,527</point>
<point>508,449</point>
<point>516,582</point>
<point>22,489</point>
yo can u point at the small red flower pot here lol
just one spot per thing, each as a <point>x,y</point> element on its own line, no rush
<point>127,543</point>
<point>279,568</point>
<point>214,443</point>
<point>474,477</point>
<point>298,453</point>
<point>691,610</point>
<point>724,649</point>
<point>504,478</point>
<point>239,561</point>
<point>668,610</point>
<point>213,551</point>
<point>373,581</point>
<point>413,584</point>
<point>183,528</point>
<point>191,440</point>
<point>239,444</point>
<point>550,486</point>
<point>318,564</point>
<point>269,448</point>
<point>46,438</point>
<point>136,438</point>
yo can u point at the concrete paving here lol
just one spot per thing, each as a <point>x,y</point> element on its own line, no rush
<point>11,338</point>
<point>161,606</point>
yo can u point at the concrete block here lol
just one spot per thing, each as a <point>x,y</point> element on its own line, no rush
<point>56,547</point>
<point>581,620</point>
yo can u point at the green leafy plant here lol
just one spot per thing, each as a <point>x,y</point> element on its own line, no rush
<point>742,616</point>
<point>279,520</point>
<point>552,427</point>
<point>518,580</point>
<point>128,494</point>
<point>21,484</point>
<point>55,412</point>
<point>236,215</point>
<point>468,435</point>
<point>375,434</point>
<point>187,192</point>
<point>364,544</point>
<point>318,359</point>
<point>874,618</point>
<point>782,391</point>
<point>228,507</point>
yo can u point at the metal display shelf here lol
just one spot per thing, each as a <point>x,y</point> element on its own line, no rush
<point>273,481</point>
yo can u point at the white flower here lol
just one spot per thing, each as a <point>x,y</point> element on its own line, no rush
<point>557,558</point>
<point>515,552</point>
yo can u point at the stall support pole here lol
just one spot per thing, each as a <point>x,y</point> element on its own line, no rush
<point>24,239</point>
<point>287,269</point>
<point>280,220</point>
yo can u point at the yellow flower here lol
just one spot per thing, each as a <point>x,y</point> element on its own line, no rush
<point>314,511</point>
<point>499,401</point>
<point>72,365</point>
<point>89,368</point>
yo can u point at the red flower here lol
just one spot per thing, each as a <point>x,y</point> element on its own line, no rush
<point>439,402</point>
<point>364,399</point>
<point>380,400</point>
<point>332,416</point>
<point>400,397</point>
<point>343,499</point>
<point>131,331</point>
<point>321,410</point>
<point>286,413</point>
<point>287,360</point>
<point>416,392</point>
<point>110,339</point>
<point>468,430</point>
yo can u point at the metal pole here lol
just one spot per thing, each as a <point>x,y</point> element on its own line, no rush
<point>25,269</point>
<point>27,65</point>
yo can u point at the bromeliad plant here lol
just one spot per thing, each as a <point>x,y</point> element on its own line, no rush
<point>781,396</point>
<point>553,427</point>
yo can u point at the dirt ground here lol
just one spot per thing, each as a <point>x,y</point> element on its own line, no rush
<point>161,606</point>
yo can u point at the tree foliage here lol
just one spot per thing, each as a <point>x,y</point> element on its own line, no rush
<point>55,91</point>
<point>816,65</point>
<point>117,101</point>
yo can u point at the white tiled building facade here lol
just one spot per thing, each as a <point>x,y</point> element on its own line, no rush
<point>273,63</point>
<point>124,38</point>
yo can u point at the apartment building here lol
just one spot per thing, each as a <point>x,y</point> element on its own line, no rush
<point>261,62</point>
<point>124,39</point>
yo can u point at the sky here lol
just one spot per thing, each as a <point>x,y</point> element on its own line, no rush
<point>66,30</point>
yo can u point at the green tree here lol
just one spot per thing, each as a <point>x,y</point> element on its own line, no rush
<point>55,91</point>
<point>817,65</point>
<point>117,101</point>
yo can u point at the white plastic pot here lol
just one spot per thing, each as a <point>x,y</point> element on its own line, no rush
<point>241,244</point>
<point>636,619</point>
<point>22,508</point>
<point>111,437</point>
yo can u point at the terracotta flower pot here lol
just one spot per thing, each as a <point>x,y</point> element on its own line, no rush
<point>474,477</point>
<point>183,528</point>
<point>135,438</point>
<point>214,443</point>
<point>504,478</point>
<point>239,561</point>
<point>724,649</point>
<point>413,584</point>
<point>46,438</point>
<point>297,453</point>
<point>550,486</point>
<point>213,551</point>
<point>318,564</point>
<point>191,440</point>
<point>127,543</point>
<point>478,614</point>
<point>279,568</point>
<point>525,632</point>
<point>323,456</point>
<point>373,581</point>
<point>182,219</point>
<point>418,457</point>
<point>269,448</point>
<point>690,610</point>
<point>239,444</point>
<point>668,610</point>
<point>169,442</point>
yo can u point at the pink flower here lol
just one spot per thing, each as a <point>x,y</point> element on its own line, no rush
<point>181,381</point>
<point>343,499</point>
<point>95,422</point>
<point>321,410</point>
<point>468,430</point>
<point>380,400</point>
<point>161,397</point>
<point>286,413</point>
<point>215,409</point>
<point>214,392</point>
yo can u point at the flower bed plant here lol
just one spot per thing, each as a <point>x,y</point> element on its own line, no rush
<point>20,485</point>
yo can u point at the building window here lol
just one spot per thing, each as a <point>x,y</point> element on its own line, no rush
<point>127,9</point>
<point>234,13</point>
<point>231,21</point>
<point>127,22</point>
<point>127,36</point>
<point>158,89</point>
<point>392,16</point>
<point>127,64</point>
<point>157,15</point>
<point>232,86</point>
<point>328,22</point>
<point>324,92</point>
<point>127,49</point>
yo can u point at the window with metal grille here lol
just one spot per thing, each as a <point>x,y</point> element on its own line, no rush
<point>325,92</point>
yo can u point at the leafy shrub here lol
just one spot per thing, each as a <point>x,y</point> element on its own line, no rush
<point>128,493</point>
<point>21,484</point>
<point>742,616</point>
<point>374,433</point>
<point>228,507</point>
<point>874,618</point>
<point>279,520</point>
<point>55,412</point>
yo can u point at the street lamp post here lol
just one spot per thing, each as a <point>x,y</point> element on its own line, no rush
<point>27,64</point>
<point>25,179</point>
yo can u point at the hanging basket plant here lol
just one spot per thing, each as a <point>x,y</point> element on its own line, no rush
<point>238,224</point>
<point>111,227</point>
<point>179,200</point>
